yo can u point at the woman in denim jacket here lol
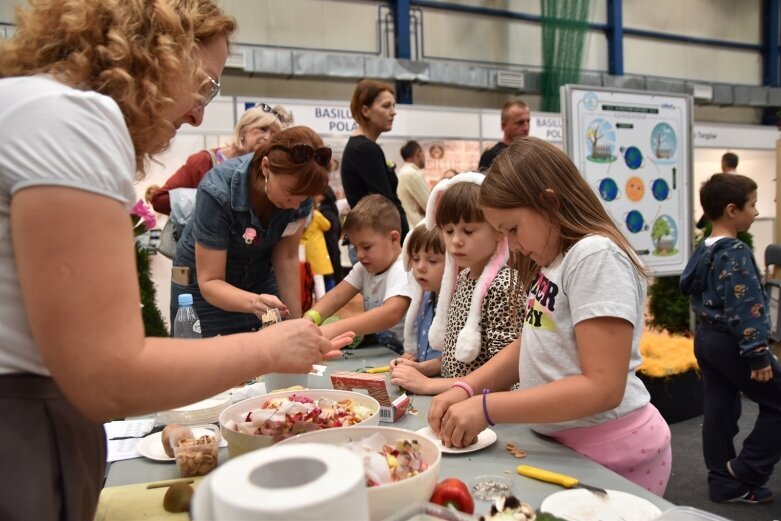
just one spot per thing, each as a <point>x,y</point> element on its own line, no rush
<point>242,243</point>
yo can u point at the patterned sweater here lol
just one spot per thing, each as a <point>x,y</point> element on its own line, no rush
<point>500,324</point>
<point>724,283</point>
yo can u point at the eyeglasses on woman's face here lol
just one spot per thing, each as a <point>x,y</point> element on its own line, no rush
<point>302,153</point>
<point>209,91</point>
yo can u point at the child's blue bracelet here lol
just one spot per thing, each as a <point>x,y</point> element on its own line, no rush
<point>485,407</point>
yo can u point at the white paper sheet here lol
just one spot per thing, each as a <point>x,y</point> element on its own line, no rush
<point>129,428</point>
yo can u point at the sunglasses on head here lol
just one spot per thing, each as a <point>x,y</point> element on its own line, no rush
<point>268,108</point>
<point>302,153</point>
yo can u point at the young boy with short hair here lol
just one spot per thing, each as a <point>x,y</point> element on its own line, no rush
<point>374,228</point>
<point>730,344</point>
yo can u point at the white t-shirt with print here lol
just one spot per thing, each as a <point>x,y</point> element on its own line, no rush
<point>594,279</point>
<point>52,135</point>
<point>376,289</point>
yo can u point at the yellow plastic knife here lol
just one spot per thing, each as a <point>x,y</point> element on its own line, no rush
<point>556,478</point>
<point>375,370</point>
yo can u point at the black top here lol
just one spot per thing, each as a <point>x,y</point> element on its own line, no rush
<point>365,171</point>
<point>489,155</point>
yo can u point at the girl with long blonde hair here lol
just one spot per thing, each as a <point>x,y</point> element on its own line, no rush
<point>579,347</point>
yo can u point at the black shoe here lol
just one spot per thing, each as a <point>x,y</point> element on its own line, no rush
<point>757,496</point>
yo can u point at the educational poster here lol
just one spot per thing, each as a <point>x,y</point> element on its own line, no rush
<point>634,149</point>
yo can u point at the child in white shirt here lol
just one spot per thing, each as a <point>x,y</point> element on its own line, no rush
<point>374,228</point>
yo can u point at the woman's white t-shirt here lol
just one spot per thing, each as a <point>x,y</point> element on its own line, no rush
<point>595,278</point>
<point>52,135</point>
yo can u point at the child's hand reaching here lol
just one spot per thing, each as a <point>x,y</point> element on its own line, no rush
<point>406,358</point>
<point>406,375</point>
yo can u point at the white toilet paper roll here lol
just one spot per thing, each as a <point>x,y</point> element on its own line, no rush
<point>294,482</point>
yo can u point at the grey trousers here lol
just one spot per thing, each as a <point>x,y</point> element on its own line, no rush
<point>52,458</point>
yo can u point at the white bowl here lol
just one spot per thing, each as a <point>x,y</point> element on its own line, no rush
<point>386,500</point>
<point>239,443</point>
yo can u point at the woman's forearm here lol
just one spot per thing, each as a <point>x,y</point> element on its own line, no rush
<point>228,297</point>
<point>288,274</point>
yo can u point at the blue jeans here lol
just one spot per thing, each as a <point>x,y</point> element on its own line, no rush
<point>216,321</point>
<point>725,375</point>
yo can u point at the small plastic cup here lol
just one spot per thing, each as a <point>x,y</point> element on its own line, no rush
<point>195,449</point>
<point>490,487</point>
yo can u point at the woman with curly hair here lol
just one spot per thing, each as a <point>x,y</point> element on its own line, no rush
<point>92,90</point>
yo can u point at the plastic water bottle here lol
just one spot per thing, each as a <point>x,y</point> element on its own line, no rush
<point>186,323</point>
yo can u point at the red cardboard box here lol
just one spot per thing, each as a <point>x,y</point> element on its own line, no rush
<point>378,387</point>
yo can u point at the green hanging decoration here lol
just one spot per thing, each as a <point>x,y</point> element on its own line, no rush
<point>154,324</point>
<point>564,26</point>
<point>143,219</point>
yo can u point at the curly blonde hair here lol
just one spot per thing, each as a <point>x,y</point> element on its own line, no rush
<point>137,52</point>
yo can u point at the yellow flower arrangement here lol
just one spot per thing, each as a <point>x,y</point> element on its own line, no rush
<point>665,354</point>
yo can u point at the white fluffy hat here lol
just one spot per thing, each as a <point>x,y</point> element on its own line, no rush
<point>469,338</point>
<point>410,321</point>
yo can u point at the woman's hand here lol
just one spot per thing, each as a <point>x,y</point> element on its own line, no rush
<point>462,422</point>
<point>407,376</point>
<point>337,343</point>
<point>262,303</point>
<point>440,405</point>
<point>294,346</point>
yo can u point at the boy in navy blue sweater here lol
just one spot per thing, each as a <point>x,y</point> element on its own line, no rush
<point>731,346</point>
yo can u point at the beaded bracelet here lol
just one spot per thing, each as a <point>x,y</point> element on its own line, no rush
<point>485,407</point>
<point>465,386</point>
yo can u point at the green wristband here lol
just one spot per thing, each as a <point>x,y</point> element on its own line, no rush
<point>315,316</point>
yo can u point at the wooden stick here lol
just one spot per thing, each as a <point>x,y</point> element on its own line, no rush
<point>164,484</point>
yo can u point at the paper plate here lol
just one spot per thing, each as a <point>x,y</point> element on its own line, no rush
<point>484,439</point>
<point>151,447</point>
<point>583,505</point>
<point>205,411</point>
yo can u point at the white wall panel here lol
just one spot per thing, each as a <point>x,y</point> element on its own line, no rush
<point>721,19</point>
<point>315,24</point>
<point>7,8</point>
<point>463,36</point>
<point>697,62</point>
<point>470,37</point>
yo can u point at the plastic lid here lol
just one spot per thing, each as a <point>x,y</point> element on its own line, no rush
<point>185,299</point>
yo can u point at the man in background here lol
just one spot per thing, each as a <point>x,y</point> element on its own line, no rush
<point>413,191</point>
<point>516,119</point>
<point>729,163</point>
